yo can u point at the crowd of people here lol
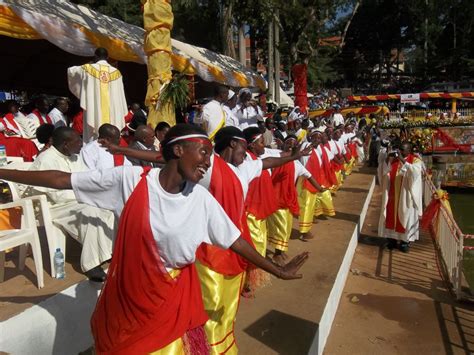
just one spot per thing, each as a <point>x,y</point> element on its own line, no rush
<point>195,216</point>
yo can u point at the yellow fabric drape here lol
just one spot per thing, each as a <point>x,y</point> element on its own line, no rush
<point>13,26</point>
<point>158,22</point>
<point>279,228</point>
<point>221,295</point>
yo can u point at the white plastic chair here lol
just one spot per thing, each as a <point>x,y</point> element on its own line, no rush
<point>28,234</point>
<point>54,236</point>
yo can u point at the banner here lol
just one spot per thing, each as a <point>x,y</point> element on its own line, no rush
<point>409,98</point>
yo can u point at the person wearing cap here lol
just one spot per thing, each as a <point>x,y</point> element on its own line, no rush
<point>284,179</point>
<point>314,202</point>
<point>247,110</point>
<point>229,105</point>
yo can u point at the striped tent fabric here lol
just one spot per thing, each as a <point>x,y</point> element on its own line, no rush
<point>78,30</point>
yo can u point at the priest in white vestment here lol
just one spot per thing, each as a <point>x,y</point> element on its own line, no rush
<point>402,188</point>
<point>91,226</point>
<point>99,87</point>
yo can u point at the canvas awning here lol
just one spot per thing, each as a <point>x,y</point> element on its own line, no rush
<point>78,30</point>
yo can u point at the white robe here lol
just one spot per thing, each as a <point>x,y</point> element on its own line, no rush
<point>212,118</point>
<point>410,204</point>
<point>91,226</point>
<point>99,88</point>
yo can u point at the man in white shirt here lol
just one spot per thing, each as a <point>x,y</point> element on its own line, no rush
<point>58,113</point>
<point>213,115</point>
<point>230,118</point>
<point>91,226</point>
<point>99,87</point>
<point>96,157</point>
<point>337,117</point>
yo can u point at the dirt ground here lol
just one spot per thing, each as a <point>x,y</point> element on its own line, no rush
<point>396,303</point>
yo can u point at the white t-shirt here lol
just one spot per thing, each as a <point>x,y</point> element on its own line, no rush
<point>337,119</point>
<point>230,118</point>
<point>180,222</point>
<point>328,152</point>
<point>271,153</point>
<point>342,147</point>
<point>300,170</point>
<point>96,157</point>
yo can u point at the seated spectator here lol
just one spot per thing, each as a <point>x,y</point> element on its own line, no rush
<point>91,226</point>
<point>58,113</point>
<point>160,131</point>
<point>44,135</point>
<point>144,140</point>
<point>96,157</point>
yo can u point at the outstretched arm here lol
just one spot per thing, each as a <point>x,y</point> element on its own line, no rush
<point>146,155</point>
<point>287,272</point>
<point>272,162</point>
<point>54,179</point>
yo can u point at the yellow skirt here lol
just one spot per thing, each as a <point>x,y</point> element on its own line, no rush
<point>174,348</point>
<point>324,204</point>
<point>307,202</point>
<point>221,295</point>
<point>349,166</point>
<point>258,232</point>
<point>340,179</point>
<point>279,228</point>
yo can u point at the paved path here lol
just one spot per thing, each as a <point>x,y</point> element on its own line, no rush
<point>395,303</point>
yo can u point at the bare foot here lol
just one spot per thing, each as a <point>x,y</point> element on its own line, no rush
<point>306,237</point>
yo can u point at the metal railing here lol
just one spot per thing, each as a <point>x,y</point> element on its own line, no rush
<point>421,114</point>
<point>449,240</point>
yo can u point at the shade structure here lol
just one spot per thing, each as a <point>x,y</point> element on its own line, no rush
<point>423,95</point>
<point>79,31</point>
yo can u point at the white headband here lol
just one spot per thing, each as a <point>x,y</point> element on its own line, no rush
<point>239,138</point>
<point>180,138</point>
<point>257,137</point>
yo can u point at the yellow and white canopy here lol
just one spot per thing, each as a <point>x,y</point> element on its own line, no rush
<point>78,30</point>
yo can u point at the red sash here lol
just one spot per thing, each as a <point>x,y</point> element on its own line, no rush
<point>283,179</point>
<point>331,178</point>
<point>391,214</point>
<point>11,120</point>
<point>348,152</point>
<point>314,167</point>
<point>78,122</point>
<point>353,149</point>
<point>260,199</point>
<point>226,188</point>
<point>40,117</point>
<point>119,159</point>
<point>141,307</point>
<point>336,166</point>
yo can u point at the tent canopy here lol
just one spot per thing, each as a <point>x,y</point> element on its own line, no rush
<point>78,31</point>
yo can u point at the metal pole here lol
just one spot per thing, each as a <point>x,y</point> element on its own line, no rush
<point>271,67</point>
<point>277,58</point>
